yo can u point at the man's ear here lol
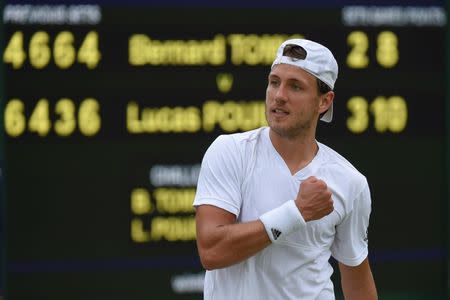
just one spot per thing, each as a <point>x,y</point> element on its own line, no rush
<point>325,101</point>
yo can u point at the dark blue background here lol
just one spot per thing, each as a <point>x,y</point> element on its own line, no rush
<point>242,3</point>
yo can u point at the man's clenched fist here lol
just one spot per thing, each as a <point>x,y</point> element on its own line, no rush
<point>314,199</point>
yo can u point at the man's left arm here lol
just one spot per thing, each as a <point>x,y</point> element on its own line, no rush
<point>357,282</point>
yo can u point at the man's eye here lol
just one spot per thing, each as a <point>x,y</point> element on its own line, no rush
<point>274,82</point>
<point>296,87</point>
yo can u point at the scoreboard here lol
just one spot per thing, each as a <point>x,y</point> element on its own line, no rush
<point>109,106</point>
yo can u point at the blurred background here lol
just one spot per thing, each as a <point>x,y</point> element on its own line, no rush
<point>108,107</point>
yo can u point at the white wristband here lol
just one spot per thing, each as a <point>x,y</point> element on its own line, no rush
<point>281,221</point>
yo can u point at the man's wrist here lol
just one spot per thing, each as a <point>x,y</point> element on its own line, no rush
<point>283,220</point>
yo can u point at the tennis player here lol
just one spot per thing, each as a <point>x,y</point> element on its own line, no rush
<point>274,204</point>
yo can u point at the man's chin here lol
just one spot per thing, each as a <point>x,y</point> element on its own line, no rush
<point>288,131</point>
<point>282,131</point>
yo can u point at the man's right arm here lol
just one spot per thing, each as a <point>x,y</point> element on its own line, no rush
<point>222,242</point>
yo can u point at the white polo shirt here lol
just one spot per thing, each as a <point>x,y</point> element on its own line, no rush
<point>245,175</point>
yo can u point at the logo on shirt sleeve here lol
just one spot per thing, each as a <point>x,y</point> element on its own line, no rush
<point>366,238</point>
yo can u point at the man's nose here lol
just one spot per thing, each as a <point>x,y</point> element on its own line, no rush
<point>280,95</point>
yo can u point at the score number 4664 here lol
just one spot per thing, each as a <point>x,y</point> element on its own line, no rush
<point>64,51</point>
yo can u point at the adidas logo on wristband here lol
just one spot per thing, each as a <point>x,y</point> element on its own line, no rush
<point>276,233</point>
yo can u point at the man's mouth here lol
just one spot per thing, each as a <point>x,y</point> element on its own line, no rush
<point>279,112</point>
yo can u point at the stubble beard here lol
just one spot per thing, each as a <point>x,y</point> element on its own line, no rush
<point>297,130</point>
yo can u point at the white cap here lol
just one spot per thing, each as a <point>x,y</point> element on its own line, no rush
<point>319,62</point>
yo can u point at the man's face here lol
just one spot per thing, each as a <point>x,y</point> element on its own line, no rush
<point>292,101</point>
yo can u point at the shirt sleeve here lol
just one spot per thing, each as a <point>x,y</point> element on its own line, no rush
<point>220,176</point>
<point>350,245</point>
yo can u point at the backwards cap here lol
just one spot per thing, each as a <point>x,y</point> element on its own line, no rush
<point>319,62</point>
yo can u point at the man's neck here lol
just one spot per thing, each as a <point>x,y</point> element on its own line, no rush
<point>297,152</point>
